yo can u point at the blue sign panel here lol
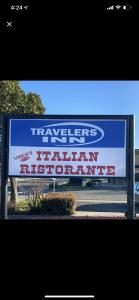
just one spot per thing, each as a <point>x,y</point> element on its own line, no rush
<point>68,133</point>
<point>67,147</point>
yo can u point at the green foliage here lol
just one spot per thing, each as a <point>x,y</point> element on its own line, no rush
<point>14,100</point>
<point>33,199</point>
<point>59,204</point>
<point>52,204</point>
<point>33,104</point>
<point>33,202</point>
<point>18,208</point>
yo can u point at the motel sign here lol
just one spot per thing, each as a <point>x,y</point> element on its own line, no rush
<point>54,147</point>
<point>69,146</point>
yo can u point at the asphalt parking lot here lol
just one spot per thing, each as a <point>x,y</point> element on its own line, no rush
<point>104,200</point>
<point>102,195</point>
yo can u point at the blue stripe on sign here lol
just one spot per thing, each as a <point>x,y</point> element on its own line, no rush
<point>68,133</point>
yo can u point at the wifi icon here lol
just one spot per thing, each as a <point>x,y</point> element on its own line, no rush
<point>118,6</point>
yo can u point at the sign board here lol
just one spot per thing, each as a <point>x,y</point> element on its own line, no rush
<point>65,147</point>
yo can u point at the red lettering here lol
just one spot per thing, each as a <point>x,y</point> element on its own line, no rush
<point>46,153</point>
<point>73,156</point>
<point>56,156</point>
<point>39,155</point>
<point>90,170</point>
<point>111,170</point>
<point>41,169</point>
<point>49,167</point>
<point>100,168</point>
<point>24,169</point>
<point>65,158</point>
<point>93,156</point>
<point>68,170</point>
<point>82,155</point>
<point>60,171</point>
<point>80,169</point>
<point>33,169</point>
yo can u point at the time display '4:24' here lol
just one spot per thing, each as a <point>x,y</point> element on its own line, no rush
<point>19,7</point>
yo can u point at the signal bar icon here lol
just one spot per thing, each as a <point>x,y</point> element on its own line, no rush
<point>111,7</point>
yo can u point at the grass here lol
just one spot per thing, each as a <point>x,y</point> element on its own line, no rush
<point>22,204</point>
<point>21,207</point>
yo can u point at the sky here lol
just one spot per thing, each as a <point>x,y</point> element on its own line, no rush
<point>88,98</point>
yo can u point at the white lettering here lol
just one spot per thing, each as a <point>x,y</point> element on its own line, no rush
<point>85,132</point>
<point>48,131</point>
<point>40,131</point>
<point>77,132</point>
<point>70,132</point>
<point>33,130</point>
<point>45,139</point>
<point>79,140</point>
<point>63,131</point>
<point>93,132</point>
<point>56,132</point>
<point>54,139</point>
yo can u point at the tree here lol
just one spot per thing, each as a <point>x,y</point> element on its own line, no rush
<point>14,100</point>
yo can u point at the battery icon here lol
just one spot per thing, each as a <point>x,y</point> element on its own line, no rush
<point>127,7</point>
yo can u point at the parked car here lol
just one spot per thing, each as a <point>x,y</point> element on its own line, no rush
<point>136,188</point>
<point>136,191</point>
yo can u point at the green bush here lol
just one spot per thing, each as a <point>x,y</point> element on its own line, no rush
<point>63,203</point>
<point>59,204</point>
<point>33,202</point>
<point>18,208</point>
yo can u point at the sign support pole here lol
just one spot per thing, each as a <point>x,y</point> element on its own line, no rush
<point>131,171</point>
<point>4,179</point>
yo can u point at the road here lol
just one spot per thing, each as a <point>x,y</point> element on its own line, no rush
<point>103,201</point>
<point>102,195</point>
<point>94,194</point>
<point>100,200</point>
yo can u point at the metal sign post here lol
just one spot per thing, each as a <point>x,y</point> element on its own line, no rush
<point>4,179</point>
<point>131,170</point>
<point>54,184</point>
